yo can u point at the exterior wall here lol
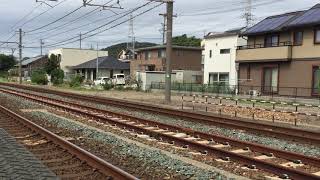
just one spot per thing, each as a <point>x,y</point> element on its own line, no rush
<point>150,77</point>
<point>73,57</point>
<point>308,49</point>
<point>181,60</point>
<point>38,64</point>
<point>221,63</point>
<point>294,74</point>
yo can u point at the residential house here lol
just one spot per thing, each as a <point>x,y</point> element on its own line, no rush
<point>126,55</point>
<point>70,57</point>
<point>154,59</point>
<point>219,56</point>
<point>32,64</point>
<point>107,66</point>
<point>282,55</point>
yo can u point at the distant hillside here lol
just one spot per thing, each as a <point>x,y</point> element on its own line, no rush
<point>114,50</point>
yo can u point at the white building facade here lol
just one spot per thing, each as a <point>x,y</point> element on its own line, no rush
<point>219,57</point>
<point>71,57</point>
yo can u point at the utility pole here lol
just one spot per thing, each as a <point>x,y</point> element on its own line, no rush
<point>20,56</point>
<point>80,40</point>
<point>97,68</point>
<point>169,50</point>
<point>169,19</point>
<point>164,26</point>
<point>41,46</point>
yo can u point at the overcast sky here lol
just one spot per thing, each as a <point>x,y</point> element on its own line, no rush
<point>194,18</point>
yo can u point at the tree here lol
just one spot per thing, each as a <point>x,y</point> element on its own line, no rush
<point>6,62</point>
<point>52,64</point>
<point>57,76</point>
<point>53,69</point>
<point>39,77</point>
<point>184,40</point>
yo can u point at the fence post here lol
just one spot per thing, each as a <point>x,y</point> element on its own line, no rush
<point>296,94</point>
<point>194,100</point>
<point>182,101</point>
<point>206,103</point>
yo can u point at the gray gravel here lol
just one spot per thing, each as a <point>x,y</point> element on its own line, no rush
<point>244,136</point>
<point>123,149</point>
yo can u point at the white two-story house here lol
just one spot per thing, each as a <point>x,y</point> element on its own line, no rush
<point>219,57</point>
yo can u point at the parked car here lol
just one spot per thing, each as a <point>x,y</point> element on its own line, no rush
<point>102,80</point>
<point>119,79</point>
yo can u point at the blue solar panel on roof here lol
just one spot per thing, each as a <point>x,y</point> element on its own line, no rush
<point>309,17</point>
<point>269,24</point>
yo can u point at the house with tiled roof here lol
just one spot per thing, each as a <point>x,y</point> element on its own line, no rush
<point>282,55</point>
<point>105,66</point>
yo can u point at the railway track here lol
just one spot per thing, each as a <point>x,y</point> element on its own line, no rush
<point>293,134</point>
<point>278,162</point>
<point>65,159</point>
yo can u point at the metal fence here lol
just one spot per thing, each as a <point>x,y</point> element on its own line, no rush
<point>226,89</point>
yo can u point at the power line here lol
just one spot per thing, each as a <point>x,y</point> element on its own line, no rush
<point>230,10</point>
<point>44,12</point>
<point>53,22</point>
<point>24,17</point>
<point>72,21</point>
<point>70,39</point>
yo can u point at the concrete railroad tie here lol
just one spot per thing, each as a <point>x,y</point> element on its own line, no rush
<point>16,162</point>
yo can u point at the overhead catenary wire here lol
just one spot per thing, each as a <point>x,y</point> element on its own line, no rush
<point>75,37</point>
<point>70,22</point>
<point>53,22</point>
<point>44,12</point>
<point>25,16</point>
<point>228,10</point>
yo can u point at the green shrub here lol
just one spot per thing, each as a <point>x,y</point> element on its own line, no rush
<point>39,77</point>
<point>76,81</point>
<point>120,88</point>
<point>57,76</point>
<point>107,86</point>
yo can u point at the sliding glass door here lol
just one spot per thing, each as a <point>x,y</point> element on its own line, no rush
<point>270,80</point>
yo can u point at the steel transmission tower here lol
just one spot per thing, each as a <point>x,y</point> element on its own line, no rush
<point>248,16</point>
<point>131,36</point>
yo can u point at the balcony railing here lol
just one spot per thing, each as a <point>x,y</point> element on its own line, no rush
<point>267,45</point>
<point>265,52</point>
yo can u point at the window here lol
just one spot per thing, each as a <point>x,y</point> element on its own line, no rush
<point>219,78</point>
<point>224,51</point>
<point>213,77</point>
<point>317,36</point>
<point>147,55</point>
<point>224,78</point>
<point>272,40</point>
<point>298,37</point>
<point>161,53</point>
<point>316,80</point>
<point>210,54</point>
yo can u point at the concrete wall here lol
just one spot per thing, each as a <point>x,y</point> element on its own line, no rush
<point>72,57</point>
<point>150,77</point>
<point>221,63</point>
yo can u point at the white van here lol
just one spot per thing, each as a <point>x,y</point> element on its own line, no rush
<point>119,79</point>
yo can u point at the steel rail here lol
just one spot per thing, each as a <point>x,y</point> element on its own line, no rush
<point>273,168</point>
<point>293,134</point>
<point>94,161</point>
